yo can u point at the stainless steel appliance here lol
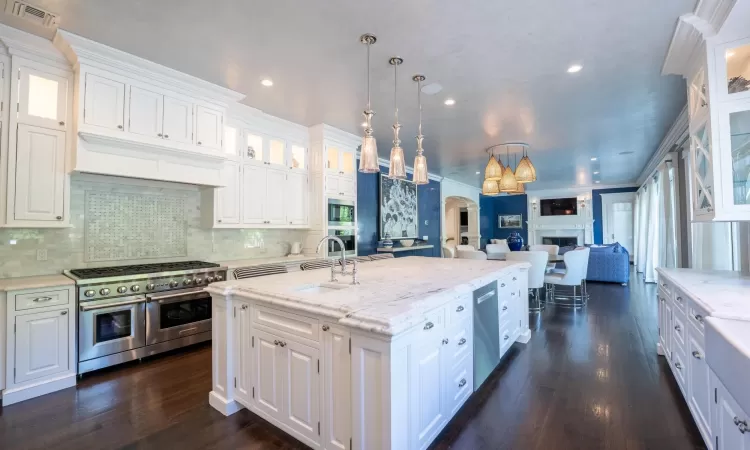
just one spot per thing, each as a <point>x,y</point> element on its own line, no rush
<point>128,312</point>
<point>486,333</point>
<point>341,213</point>
<point>348,237</point>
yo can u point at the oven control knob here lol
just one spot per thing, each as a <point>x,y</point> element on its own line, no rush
<point>219,277</point>
<point>150,286</point>
<point>122,289</point>
<point>104,291</point>
<point>209,279</point>
<point>90,293</point>
<point>173,283</point>
<point>187,282</point>
<point>135,288</point>
<point>198,281</point>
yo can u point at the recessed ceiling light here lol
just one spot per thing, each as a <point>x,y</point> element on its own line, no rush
<point>594,158</point>
<point>575,68</point>
<point>449,102</point>
<point>596,173</point>
<point>478,173</point>
<point>597,181</point>
<point>267,82</point>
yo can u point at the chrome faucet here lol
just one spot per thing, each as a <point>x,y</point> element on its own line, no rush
<point>343,255</point>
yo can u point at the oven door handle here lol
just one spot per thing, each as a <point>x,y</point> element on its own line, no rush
<point>187,295</point>
<point>112,305</point>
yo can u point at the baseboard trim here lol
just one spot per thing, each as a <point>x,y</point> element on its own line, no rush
<point>525,337</point>
<point>21,393</point>
<point>223,405</point>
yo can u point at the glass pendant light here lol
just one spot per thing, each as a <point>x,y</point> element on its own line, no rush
<point>524,173</point>
<point>368,154</point>
<point>508,182</point>
<point>420,162</point>
<point>396,166</point>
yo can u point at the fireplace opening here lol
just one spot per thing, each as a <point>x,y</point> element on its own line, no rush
<point>564,241</point>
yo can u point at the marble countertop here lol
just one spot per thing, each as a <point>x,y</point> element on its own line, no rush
<point>296,259</point>
<point>37,282</point>
<point>393,294</point>
<point>725,294</point>
<point>728,354</point>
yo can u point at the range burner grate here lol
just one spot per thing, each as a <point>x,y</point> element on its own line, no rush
<point>117,271</point>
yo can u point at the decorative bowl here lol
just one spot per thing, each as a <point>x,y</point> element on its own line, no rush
<point>407,242</point>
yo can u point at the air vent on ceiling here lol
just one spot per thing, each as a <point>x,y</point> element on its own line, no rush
<point>31,13</point>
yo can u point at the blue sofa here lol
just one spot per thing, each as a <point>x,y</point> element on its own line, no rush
<point>608,263</point>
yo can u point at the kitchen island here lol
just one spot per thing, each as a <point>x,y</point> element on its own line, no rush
<point>383,364</point>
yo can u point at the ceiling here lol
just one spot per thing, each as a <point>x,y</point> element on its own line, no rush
<point>505,63</point>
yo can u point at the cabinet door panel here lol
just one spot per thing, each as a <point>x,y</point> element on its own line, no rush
<point>145,112</point>
<point>42,98</point>
<point>701,394</point>
<point>41,344</point>
<point>348,163</point>
<point>301,386</point>
<point>275,211</point>
<point>245,354</point>
<point>347,187</point>
<point>336,388</point>
<point>254,193</point>
<point>209,125</point>
<point>268,371</point>
<point>729,434</point>
<point>333,186</point>
<point>426,386</point>
<point>40,174</point>
<point>296,198</point>
<point>178,120</point>
<point>104,102</point>
<point>229,195</point>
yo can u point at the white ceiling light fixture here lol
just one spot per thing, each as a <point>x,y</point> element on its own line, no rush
<point>449,102</point>
<point>420,162</point>
<point>593,158</point>
<point>575,68</point>
<point>267,82</point>
<point>596,173</point>
<point>368,157</point>
<point>396,166</point>
<point>478,173</point>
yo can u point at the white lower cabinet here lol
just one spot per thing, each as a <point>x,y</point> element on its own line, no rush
<point>42,347</point>
<point>699,377</point>
<point>731,424</point>
<point>268,374</point>
<point>245,361</point>
<point>426,388</point>
<point>336,405</point>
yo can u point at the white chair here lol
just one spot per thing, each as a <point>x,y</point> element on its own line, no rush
<point>497,249</point>
<point>470,254</point>
<point>576,266</point>
<point>449,252</point>
<point>551,249</point>
<point>465,247</point>
<point>538,260</point>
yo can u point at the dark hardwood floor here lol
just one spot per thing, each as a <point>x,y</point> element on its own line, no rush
<point>587,380</point>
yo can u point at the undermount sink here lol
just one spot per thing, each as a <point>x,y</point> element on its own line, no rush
<point>320,288</point>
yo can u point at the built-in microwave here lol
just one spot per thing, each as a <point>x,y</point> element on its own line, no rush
<point>348,237</point>
<point>340,213</point>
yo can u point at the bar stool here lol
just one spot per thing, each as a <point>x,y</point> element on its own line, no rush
<point>576,267</point>
<point>538,260</point>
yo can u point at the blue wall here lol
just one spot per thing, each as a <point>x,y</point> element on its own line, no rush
<point>491,207</point>
<point>368,203</point>
<point>596,200</point>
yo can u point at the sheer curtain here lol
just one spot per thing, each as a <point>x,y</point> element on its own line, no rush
<point>636,228</point>
<point>652,232</point>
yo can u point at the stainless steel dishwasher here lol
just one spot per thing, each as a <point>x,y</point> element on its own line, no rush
<point>486,333</point>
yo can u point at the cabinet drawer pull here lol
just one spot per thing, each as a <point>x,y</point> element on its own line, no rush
<point>460,308</point>
<point>678,328</point>
<point>462,341</point>
<point>662,299</point>
<point>679,299</point>
<point>62,124</point>
<point>166,136</point>
<point>664,285</point>
<point>742,425</point>
<point>502,284</point>
<point>63,313</point>
<point>325,328</point>
<point>678,365</point>
<point>244,306</point>
<point>445,341</point>
<point>160,135</point>
<point>119,126</point>
<point>514,278</point>
<point>485,297</point>
<point>58,217</point>
<point>428,325</point>
<point>699,318</point>
<point>505,308</point>
<point>462,383</point>
<point>42,299</point>
<point>506,337</point>
<point>282,343</point>
<point>697,355</point>
<point>275,342</point>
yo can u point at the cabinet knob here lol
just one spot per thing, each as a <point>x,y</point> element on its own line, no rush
<point>445,341</point>
<point>677,328</point>
<point>506,337</point>
<point>679,299</point>
<point>160,135</point>
<point>325,328</point>
<point>63,313</point>
<point>460,308</point>
<point>219,220</point>
<point>514,278</point>
<point>275,342</point>
<point>62,124</point>
<point>699,318</point>
<point>742,425</point>
<point>166,136</point>
<point>428,325</point>
<point>244,306</point>
<point>200,143</point>
<point>462,383</point>
<point>282,343</point>
<point>678,365</point>
<point>462,341</point>
<point>697,355</point>
<point>58,217</point>
<point>505,308</point>
<point>502,284</point>
<point>119,126</point>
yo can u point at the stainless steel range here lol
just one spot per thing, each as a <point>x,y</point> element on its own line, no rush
<point>128,312</point>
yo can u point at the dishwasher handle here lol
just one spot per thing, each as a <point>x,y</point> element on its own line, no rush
<point>485,297</point>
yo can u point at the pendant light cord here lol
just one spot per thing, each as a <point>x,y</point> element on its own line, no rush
<point>419,100</point>
<point>368,77</point>
<point>395,89</point>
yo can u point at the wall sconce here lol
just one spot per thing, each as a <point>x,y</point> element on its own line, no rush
<point>582,202</point>
<point>533,204</point>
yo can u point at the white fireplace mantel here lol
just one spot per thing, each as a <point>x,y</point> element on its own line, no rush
<point>580,225</point>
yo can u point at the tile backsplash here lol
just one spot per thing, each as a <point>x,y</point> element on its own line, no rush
<point>65,248</point>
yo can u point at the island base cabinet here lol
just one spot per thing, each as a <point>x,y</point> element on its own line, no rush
<point>426,389</point>
<point>731,423</point>
<point>336,409</point>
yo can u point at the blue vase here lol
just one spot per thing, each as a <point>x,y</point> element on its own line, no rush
<point>515,241</point>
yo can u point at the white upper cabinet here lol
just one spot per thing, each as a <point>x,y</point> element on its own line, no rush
<point>296,199</point>
<point>209,127</point>
<point>146,112</point>
<point>275,210</point>
<point>252,148</point>
<point>40,174</point>
<point>339,161</point>
<point>178,120</point>
<point>104,102</point>
<point>229,196</point>
<point>276,152</point>
<point>298,158</point>
<point>254,190</point>
<point>42,98</point>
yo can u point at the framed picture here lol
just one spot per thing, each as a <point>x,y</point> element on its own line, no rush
<point>510,221</point>
<point>398,209</point>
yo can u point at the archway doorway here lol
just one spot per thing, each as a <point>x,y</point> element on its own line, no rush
<point>461,222</point>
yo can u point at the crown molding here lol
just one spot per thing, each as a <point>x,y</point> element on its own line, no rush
<point>254,119</point>
<point>323,131</point>
<point>673,140</point>
<point>81,51</point>
<point>26,45</point>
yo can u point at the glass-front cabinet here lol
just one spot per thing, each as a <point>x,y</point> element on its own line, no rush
<point>340,161</point>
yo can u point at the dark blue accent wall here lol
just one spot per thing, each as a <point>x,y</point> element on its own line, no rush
<point>368,198</point>
<point>596,200</point>
<point>491,207</point>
